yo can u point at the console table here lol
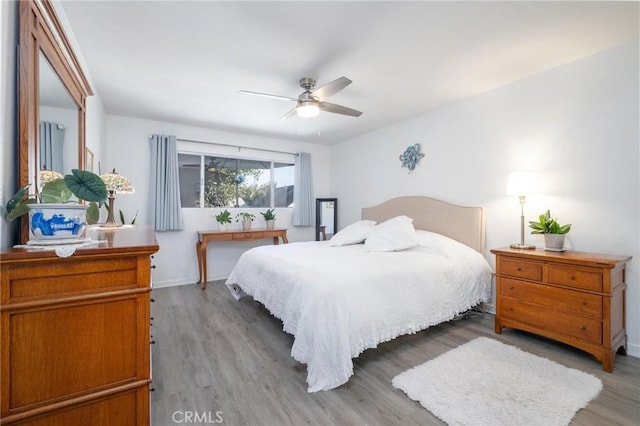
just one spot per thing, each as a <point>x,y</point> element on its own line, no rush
<point>232,235</point>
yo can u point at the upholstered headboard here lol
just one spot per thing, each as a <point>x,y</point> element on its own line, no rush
<point>463,224</point>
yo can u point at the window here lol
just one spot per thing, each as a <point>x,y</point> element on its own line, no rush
<point>218,181</point>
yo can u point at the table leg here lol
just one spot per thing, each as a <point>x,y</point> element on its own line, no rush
<point>198,244</point>
<point>203,256</point>
<point>276,241</point>
<point>284,239</point>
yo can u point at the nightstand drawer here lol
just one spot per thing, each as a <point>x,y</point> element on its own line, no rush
<point>565,300</point>
<point>544,318</point>
<point>521,269</point>
<point>573,277</point>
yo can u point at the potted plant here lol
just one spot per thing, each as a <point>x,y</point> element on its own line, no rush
<point>554,233</point>
<point>246,219</point>
<point>53,215</point>
<point>269,218</point>
<point>224,219</point>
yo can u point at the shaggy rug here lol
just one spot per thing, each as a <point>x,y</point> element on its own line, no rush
<point>485,382</point>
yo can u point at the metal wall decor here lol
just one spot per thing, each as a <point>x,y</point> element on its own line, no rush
<point>411,156</point>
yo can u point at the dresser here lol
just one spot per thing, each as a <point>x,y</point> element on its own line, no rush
<point>573,297</point>
<point>75,332</point>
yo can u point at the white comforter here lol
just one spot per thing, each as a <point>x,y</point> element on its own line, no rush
<point>339,301</point>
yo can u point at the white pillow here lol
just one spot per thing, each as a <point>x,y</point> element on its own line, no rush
<point>352,234</point>
<point>394,234</point>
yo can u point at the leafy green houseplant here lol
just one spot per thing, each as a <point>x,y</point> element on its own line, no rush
<point>82,184</point>
<point>554,232</point>
<point>269,218</point>
<point>224,219</point>
<point>246,219</point>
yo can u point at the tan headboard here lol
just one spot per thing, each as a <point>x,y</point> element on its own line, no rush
<point>463,224</point>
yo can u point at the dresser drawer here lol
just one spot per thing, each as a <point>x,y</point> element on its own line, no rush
<point>247,235</point>
<point>521,269</point>
<point>557,298</point>
<point>544,318</point>
<point>576,278</point>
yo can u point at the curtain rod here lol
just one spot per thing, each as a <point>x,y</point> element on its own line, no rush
<point>234,146</point>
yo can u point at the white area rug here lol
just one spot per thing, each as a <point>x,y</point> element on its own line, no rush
<point>487,383</point>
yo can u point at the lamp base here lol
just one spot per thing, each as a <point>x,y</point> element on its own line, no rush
<point>522,246</point>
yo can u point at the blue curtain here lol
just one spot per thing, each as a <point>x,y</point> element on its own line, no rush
<point>303,191</point>
<point>51,146</point>
<point>165,208</point>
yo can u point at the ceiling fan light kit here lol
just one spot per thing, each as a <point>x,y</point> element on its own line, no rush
<point>311,101</point>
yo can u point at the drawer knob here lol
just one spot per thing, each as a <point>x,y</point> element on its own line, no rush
<point>584,303</point>
<point>584,328</point>
<point>519,269</point>
<point>573,278</point>
<point>511,288</point>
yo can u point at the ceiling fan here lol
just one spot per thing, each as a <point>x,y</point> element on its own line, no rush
<point>311,101</point>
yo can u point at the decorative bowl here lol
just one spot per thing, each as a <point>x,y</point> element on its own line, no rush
<point>56,221</point>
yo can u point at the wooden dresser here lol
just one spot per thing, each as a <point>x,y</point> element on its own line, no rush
<point>75,332</point>
<point>573,297</point>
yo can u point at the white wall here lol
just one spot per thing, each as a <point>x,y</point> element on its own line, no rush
<point>128,150</point>
<point>577,126</point>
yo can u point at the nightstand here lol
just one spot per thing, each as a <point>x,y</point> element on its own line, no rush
<point>574,297</point>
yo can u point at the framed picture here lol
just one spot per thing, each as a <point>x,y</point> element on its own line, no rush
<point>88,159</point>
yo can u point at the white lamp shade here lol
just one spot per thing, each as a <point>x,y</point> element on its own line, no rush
<point>307,109</point>
<point>522,183</point>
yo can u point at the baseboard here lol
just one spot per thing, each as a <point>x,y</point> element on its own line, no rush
<point>633,350</point>
<point>183,281</point>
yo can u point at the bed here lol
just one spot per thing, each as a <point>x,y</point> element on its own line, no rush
<point>339,301</point>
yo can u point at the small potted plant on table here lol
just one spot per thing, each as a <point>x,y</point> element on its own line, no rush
<point>554,233</point>
<point>246,219</point>
<point>224,219</point>
<point>269,218</point>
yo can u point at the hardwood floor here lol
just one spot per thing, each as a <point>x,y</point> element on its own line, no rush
<point>217,360</point>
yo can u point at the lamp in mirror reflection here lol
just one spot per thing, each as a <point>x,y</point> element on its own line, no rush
<point>45,176</point>
<point>522,183</point>
<point>116,183</point>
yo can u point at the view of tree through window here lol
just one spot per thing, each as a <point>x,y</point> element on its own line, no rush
<point>234,182</point>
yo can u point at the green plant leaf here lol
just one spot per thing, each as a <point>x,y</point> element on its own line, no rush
<point>16,200</point>
<point>55,191</point>
<point>86,185</point>
<point>93,213</point>
<point>121,217</point>
<point>19,209</point>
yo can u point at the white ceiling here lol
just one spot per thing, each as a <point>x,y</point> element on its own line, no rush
<point>185,62</point>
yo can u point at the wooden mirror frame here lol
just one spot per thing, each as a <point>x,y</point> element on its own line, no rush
<point>42,31</point>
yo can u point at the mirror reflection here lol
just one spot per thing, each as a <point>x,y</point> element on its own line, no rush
<point>58,126</point>
<point>326,218</point>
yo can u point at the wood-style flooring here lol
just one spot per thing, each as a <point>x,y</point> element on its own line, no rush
<point>217,360</point>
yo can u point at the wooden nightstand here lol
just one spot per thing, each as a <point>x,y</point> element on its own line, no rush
<point>573,297</point>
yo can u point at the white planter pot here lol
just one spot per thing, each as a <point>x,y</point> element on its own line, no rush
<point>57,221</point>
<point>223,226</point>
<point>554,242</point>
<point>246,225</point>
<point>270,224</point>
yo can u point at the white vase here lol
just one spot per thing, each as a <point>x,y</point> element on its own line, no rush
<point>554,242</point>
<point>48,221</point>
<point>270,224</point>
<point>246,225</point>
<point>223,226</point>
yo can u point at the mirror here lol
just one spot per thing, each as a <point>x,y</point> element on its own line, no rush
<point>326,218</point>
<point>57,124</point>
<point>52,88</point>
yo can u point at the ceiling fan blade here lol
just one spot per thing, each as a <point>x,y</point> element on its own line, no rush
<point>331,88</point>
<point>290,113</point>
<point>339,109</point>
<point>267,95</point>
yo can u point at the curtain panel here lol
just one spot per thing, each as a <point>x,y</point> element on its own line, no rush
<point>51,146</point>
<point>164,194</point>
<point>303,191</point>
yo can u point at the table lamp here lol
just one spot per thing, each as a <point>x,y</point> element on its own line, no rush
<point>521,184</point>
<point>115,183</point>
